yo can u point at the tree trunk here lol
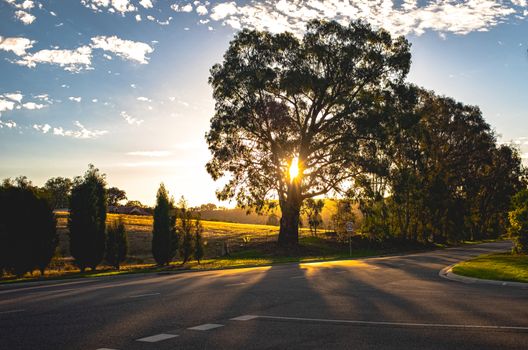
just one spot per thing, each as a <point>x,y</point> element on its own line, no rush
<point>289,222</point>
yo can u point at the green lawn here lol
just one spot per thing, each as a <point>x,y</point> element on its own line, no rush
<point>502,267</point>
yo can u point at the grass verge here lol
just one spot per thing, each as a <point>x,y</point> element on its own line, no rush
<point>500,266</point>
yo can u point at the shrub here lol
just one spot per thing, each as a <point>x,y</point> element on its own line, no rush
<point>198,241</point>
<point>185,229</point>
<point>116,243</point>
<point>87,219</point>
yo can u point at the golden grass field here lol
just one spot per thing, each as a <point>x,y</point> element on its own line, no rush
<point>139,229</point>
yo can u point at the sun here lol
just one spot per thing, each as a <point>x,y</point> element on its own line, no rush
<point>294,168</point>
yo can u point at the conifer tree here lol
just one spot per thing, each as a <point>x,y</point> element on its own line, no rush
<point>185,229</point>
<point>164,239</point>
<point>87,219</point>
<point>198,240</point>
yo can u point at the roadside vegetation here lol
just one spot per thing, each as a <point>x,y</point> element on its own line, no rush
<point>501,267</point>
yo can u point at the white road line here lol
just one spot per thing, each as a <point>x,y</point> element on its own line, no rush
<point>235,284</point>
<point>143,295</point>
<point>157,338</point>
<point>244,318</point>
<point>12,311</point>
<point>404,324</point>
<point>45,286</point>
<point>294,277</point>
<point>206,327</point>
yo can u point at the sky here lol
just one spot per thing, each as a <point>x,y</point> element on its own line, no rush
<point>123,84</point>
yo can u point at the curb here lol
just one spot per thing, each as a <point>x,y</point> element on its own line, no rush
<point>447,273</point>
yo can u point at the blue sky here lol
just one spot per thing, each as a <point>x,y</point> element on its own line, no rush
<point>123,84</point>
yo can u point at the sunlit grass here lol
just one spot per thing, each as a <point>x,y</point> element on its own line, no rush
<point>502,267</point>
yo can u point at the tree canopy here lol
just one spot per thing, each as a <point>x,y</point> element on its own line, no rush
<point>280,98</point>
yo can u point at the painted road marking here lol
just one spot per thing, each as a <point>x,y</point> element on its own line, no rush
<point>244,318</point>
<point>235,284</point>
<point>297,277</point>
<point>143,295</point>
<point>157,338</point>
<point>12,311</point>
<point>403,324</point>
<point>206,327</point>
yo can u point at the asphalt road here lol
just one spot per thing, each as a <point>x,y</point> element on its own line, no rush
<point>380,303</point>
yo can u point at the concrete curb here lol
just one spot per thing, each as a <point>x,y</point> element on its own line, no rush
<point>447,273</point>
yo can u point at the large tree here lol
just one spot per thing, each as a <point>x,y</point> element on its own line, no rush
<point>59,189</point>
<point>115,195</point>
<point>281,99</point>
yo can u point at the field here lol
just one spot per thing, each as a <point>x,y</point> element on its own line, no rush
<point>139,228</point>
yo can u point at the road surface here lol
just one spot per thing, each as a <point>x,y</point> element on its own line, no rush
<point>395,302</point>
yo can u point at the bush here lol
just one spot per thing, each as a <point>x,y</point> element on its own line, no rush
<point>519,222</point>
<point>116,243</point>
<point>28,237</point>
<point>164,238</point>
<point>87,219</point>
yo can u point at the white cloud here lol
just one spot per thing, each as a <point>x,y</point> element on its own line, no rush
<point>16,45</point>
<point>24,17</point>
<point>133,86</point>
<point>121,6</point>
<point>131,120</point>
<point>224,10</point>
<point>81,133</point>
<point>182,8</point>
<point>201,10</point>
<point>7,124</point>
<point>146,4</point>
<point>94,100</point>
<point>127,49</point>
<point>43,128</point>
<point>14,96</point>
<point>6,105</point>
<point>33,105</point>
<point>71,60</point>
<point>138,18</point>
<point>150,153</point>
<point>459,17</point>
<point>24,4</point>
<point>144,99</point>
<point>75,99</point>
<point>43,97</point>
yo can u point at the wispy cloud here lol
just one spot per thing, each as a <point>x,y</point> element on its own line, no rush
<point>33,105</point>
<point>127,49</point>
<point>412,16</point>
<point>25,17</point>
<point>71,60</point>
<point>131,120</point>
<point>120,6</point>
<point>81,133</point>
<point>75,99</point>
<point>182,8</point>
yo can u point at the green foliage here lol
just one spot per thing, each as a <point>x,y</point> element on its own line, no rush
<point>279,97</point>
<point>344,213</point>
<point>198,241</point>
<point>164,238</point>
<point>116,243</point>
<point>185,226</point>
<point>519,222</point>
<point>115,195</point>
<point>313,209</point>
<point>59,189</point>
<point>28,236</point>
<point>87,219</point>
<point>436,172</point>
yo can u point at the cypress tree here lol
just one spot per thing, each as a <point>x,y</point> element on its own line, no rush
<point>116,243</point>
<point>164,240</point>
<point>87,219</point>
<point>28,237</point>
